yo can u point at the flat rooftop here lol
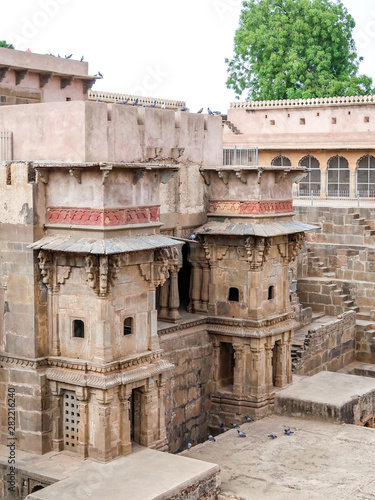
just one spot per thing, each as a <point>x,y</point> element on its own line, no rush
<point>321,460</point>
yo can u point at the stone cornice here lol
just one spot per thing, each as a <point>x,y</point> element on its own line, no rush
<point>111,97</point>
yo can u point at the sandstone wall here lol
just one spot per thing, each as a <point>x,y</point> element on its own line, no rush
<point>188,388</point>
<point>330,347</point>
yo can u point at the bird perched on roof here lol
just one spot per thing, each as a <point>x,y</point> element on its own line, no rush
<point>249,419</point>
<point>163,105</point>
<point>209,111</point>
<point>82,58</point>
<point>126,101</point>
<point>193,236</point>
<point>207,229</point>
<point>69,57</point>
<point>142,105</point>
<point>116,102</point>
<point>272,436</point>
<point>200,111</point>
<point>189,445</point>
<point>98,100</point>
<point>222,425</point>
<point>234,425</point>
<point>135,102</point>
<point>241,434</point>
<point>101,76</point>
<point>288,432</point>
<point>216,112</point>
<point>211,438</point>
<point>184,108</point>
<point>153,104</point>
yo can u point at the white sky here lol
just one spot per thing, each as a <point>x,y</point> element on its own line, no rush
<point>169,49</point>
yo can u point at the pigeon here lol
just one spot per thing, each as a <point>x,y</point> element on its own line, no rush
<point>207,229</point>
<point>249,419</point>
<point>10,46</point>
<point>216,112</point>
<point>211,438</point>
<point>234,425</point>
<point>126,101</point>
<point>193,236</point>
<point>222,425</point>
<point>142,105</point>
<point>163,105</point>
<point>101,76</point>
<point>69,57</point>
<point>98,100</point>
<point>209,111</point>
<point>189,445</point>
<point>153,104</point>
<point>135,102</point>
<point>288,432</point>
<point>272,436</point>
<point>82,58</point>
<point>200,111</point>
<point>184,108</point>
<point>241,434</point>
<point>116,101</point>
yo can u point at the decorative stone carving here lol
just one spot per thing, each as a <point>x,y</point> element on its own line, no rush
<point>102,217</point>
<point>46,268</point>
<point>221,252</point>
<point>102,272</point>
<point>63,273</point>
<point>250,207</point>
<point>165,260</point>
<point>224,176</point>
<point>92,271</point>
<point>257,250</point>
<point>77,174</point>
<point>296,242</point>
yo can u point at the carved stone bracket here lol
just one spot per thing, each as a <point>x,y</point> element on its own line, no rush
<point>102,272</point>
<point>166,260</point>
<point>87,84</point>
<point>206,177</point>
<point>20,75</point>
<point>44,78</point>
<point>76,173</point>
<point>3,72</point>
<point>65,82</point>
<point>242,176</point>
<point>296,242</point>
<point>258,250</point>
<point>260,173</point>
<point>105,173</point>
<point>52,275</point>
<point>43,175</point>
<point>296,178</point>
<point>280,175</point>
<point>224,176</point>
<point>137,176</point>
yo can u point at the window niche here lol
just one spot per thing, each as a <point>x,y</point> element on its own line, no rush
<point>128,326</point>
<point>233,295</point>
<point>78,329</point>
<point>271,292</point>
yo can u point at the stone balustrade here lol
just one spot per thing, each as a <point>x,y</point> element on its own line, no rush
<point>94,95</point>
<point>297,103</point>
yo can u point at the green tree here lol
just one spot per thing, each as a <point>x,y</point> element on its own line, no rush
<point>5,44</point>
<point>292,49</point>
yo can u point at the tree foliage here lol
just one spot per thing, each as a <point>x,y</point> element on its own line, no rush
<point>292,49</point>
<point>5,44</point>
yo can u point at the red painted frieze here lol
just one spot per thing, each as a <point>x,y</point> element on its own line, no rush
<point>103,217</point>
<point>250,207</point>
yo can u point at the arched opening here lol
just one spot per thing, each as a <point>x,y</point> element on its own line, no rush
<point>271,292</point>
<point>37,488</point>
<point>135,416</point>
<point>128,326</point>
<point>78,329</point>
<point>233,295</point>
<point>366,177</point>
<point>275,363</point>
<point>310,185</point>
<point>226,365</point>
<point>338,182</point>
<point>281,161</point>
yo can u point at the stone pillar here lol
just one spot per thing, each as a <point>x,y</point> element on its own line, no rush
<point>353,184</point>
<point>57,424</point>
<point>174,299</point>
<point>255,294</point>
<point>268,373</point>
<point>103,434</point>
<point>164,300</point>
<point>256,369</point>
<point>238,375</point>
<point>149,415</point>
<point>125,429</point>
<point>162,434</point>
<point>216,364</point>
<point>289,376</point>
<point>281,365</point>
<point>323,187</point>
<point>54,311</point>
<point>197,284</point>
<point>83,429</point>
<point>205,287</point>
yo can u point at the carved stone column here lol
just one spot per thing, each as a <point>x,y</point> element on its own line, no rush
<point>162,434</point>
<point>216,364</point>
<point>83,428</point>
<point>54,308</point>
<point>149,416</point>
<point>205,287</point>
<point>125,425</point>
<point>268,374</point>
<point>197,284</point>
<point>238,375</point>
<point>256,372</point>
<point>323,187</point>
<point>280,367</point>
<point>353,183</point>
<point>174,299</point>
<point>57,424</point>
<point>164,300</point>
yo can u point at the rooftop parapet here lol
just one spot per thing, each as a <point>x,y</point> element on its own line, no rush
<point>112,97</point>
<point>301,103</point>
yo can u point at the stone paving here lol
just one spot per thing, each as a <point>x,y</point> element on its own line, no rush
<point>320,460</point>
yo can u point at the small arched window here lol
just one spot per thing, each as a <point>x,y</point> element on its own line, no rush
<point>281,161</point>
<point>338,177</point>
<point>128,326</point>
<point>78,329</point>
<point>233,295</point>
<point>271,292</point>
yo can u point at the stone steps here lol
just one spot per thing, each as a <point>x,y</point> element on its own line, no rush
<point>232,127</point>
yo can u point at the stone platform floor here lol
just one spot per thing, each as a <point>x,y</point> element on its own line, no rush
<point>321,460</point>
<point>144,475</point>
